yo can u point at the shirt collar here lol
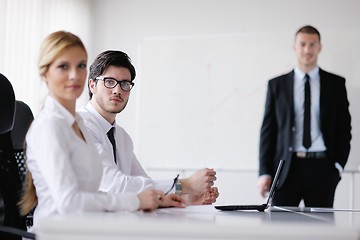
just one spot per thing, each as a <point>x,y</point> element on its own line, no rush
<point>104,124</point>
<point>57,108</point>
<point>312,74</point>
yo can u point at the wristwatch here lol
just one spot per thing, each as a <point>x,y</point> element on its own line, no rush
<point>178,187</point>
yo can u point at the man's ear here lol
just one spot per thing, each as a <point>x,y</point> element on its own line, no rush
<point>92,85</point>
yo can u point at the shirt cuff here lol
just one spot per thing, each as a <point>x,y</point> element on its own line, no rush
<point>339,168</point>
<point>265,175</point>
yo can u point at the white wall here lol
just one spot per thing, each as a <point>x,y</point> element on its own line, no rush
<point>129,26</point>
<point>23,25</point>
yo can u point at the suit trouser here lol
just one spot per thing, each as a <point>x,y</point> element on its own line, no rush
<point>313,180</point>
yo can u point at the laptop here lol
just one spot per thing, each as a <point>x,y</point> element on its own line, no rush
<point>262,207</point>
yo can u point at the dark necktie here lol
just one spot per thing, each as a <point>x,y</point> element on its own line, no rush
<point>110,135</point>
<point>307,111</point>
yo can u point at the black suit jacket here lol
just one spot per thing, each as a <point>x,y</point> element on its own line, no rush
<point>278,124</point>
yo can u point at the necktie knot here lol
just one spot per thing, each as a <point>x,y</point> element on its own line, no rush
<point>111,131</point>
<point>307,77</point>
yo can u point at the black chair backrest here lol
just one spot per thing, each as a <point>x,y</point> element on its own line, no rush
<point>10,182</point>
<point>7,105</point>
<point>23,119</point>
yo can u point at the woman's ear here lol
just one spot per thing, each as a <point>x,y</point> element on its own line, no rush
<point>44,79</point>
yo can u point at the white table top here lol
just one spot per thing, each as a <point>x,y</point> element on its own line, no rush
<point>202,222</point>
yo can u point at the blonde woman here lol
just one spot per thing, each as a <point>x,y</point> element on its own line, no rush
<point>63,162</point>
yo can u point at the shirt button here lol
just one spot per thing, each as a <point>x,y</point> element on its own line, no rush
<point>290,149</point>
<point>293,129</point>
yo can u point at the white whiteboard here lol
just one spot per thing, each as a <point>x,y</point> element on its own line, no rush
<point>201,99</point>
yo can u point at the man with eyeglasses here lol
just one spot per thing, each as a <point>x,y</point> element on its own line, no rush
<point>110,81</point>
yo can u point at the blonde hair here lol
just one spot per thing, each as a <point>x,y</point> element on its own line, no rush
<point>29,199</point>
<point>51,48</point>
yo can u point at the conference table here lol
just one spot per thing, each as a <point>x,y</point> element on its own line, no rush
<point>203,222</point>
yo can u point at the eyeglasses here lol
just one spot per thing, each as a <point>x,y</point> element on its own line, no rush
<point>109,82</point>
<point>172,187</point>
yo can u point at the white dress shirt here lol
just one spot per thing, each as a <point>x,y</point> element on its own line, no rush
<point>317,141</point>
<point>66,170</point>
<point>127,174</point>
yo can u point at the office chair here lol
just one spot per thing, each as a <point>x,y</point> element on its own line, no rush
<point>13,226</point>
<point>7,105</point>
<point>23,119</point>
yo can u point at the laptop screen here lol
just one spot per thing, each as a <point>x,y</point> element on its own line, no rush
<point>261,207</point>
<point>275,182</point>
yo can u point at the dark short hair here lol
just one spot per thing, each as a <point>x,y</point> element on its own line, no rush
<point>110,58</point>
<point>309,30</point>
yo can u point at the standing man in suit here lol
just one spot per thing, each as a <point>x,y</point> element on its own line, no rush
<point>307,123</point>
